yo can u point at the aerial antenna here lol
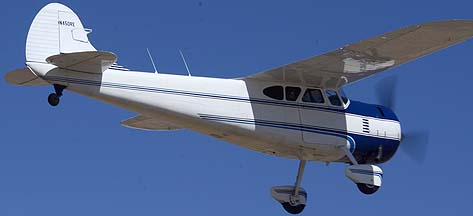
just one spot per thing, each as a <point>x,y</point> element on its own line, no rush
<point>152,62</point>
<point>185,63</point>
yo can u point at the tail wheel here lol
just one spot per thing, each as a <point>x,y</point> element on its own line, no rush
<point>367,189</point>
<point>53,99</point>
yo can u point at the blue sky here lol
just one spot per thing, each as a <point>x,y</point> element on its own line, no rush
<point>76,159</point>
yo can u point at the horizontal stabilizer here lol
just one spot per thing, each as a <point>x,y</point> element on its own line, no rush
<point>88,62</point>
<point>148,123</point>
<point>24,77</point>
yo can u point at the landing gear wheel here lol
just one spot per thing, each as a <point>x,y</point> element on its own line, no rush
<point>367,189</point>
<point>53,99</point>
<point>292,198</point>
<point>293,209</point>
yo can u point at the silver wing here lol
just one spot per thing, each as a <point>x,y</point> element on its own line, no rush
<point>148,123</point>
<point>365,58</point>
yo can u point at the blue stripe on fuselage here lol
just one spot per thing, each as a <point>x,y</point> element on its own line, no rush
<point>355,107</point>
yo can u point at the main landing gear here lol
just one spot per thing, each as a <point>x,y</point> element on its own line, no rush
<point>292,198</point>
<point>368,178</point>
<point>54,98</point>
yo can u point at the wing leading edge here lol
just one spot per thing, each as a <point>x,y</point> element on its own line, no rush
<point>365,58</point>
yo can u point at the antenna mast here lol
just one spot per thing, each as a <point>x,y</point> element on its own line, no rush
<point>185,63</point>
<point>152,62</point>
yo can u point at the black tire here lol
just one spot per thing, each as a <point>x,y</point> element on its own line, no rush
<point>53,99</point>
<point>367,189</point>
<point>293,209</point>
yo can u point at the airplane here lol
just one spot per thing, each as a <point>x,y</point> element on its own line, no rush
<point>296,111</point>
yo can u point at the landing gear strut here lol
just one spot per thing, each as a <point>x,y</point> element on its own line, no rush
<point>54,98</point>
<point>292,198</point>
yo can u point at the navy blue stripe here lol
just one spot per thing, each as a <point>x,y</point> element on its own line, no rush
<point>205,95</point>
<point>197,94</point>
<point>333,130</point>
<point>310,127</point>
<point>98,83</point>
<point>284,126</point>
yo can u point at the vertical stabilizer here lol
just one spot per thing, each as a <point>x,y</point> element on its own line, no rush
<point>55,29</point>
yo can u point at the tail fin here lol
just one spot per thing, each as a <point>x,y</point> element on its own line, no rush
<point>56,29</point>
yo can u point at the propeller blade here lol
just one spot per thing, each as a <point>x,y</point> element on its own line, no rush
<point>386,91</point>
<point>414,144</point>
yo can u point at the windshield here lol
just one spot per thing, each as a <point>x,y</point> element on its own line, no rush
<point>343,96</point>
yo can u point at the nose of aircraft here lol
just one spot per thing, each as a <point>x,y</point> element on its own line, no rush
<point>414,142</point>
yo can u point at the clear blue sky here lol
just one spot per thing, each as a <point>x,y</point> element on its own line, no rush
<point>76,159</point>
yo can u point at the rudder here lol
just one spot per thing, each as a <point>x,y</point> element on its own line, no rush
<point>55,29</point>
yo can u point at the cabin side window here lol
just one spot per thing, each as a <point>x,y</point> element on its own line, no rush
<point>313,96</point>
<point>333,97</point>
<point>274,92</point>
<point>292,93</point>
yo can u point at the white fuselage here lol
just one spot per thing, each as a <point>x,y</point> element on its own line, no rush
<point>228,109</point>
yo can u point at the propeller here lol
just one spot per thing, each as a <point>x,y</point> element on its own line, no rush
<point>386,91</point>
<point>413,143</point>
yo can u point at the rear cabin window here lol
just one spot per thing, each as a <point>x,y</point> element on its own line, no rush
<point>333,97</point>
<point>313,96</point>
<point>274,92</point>
<point>292,93</point>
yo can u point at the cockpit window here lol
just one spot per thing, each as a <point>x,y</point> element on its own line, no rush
<point>274,92</point>
<point>343,96</point>
<point>313,96</point>
<point>292,93</point>
<point>333,97</point>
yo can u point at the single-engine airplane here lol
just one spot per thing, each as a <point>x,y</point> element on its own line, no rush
<point>296,111</point>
